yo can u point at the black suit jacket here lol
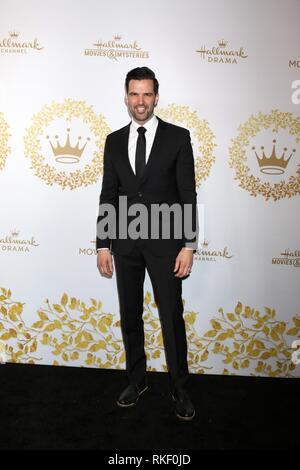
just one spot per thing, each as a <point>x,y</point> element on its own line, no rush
<point>169,177</point>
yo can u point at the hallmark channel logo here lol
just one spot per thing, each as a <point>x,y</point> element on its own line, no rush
<point>117,48</point>
<point>222,54</point>
<point>14,44</point>
<point>207,253</point>
<point>14,243</point>
<point>288,258</point>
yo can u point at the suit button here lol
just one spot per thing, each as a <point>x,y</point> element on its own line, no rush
<point>140,194</point>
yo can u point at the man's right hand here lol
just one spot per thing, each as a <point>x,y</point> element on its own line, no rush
<point>105,263</point>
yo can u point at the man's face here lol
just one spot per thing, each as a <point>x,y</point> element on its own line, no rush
<point>141,100</point>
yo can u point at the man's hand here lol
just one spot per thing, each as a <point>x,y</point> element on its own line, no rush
<point>105,263</point>
<point>184,263</point>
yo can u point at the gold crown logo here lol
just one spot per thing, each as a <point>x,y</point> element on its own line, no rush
<point>15,233</point>
<point>67,153</point>
<point>222,43</point>
<point>273,165</point>
<point>14,34</point>
<point>205,243</point>
<point>117,37</point>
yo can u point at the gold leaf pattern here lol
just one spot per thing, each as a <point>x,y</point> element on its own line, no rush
<point>76,331</point>
<point>276,120</point>
<point>68,110</point>
<point>4,136</point>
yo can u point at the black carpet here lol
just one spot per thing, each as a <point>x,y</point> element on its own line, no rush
<point>48,407</point>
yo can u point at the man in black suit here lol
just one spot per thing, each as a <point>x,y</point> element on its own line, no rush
<point>149,162</point>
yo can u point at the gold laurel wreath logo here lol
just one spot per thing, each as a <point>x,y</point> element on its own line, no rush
<point>184,115</point>
<point>73,330</point>
<point>275,121</point>
<point>4,136</point>
<point>68,110</point>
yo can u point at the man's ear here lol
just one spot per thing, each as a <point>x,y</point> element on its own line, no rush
<point>126,99</point>
<point>156,99</point>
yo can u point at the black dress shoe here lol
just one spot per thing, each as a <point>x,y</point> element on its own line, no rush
<point>184,408</point>
<point>130,395</point>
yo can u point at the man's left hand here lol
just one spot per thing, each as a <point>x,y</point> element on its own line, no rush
<point>184,263</point>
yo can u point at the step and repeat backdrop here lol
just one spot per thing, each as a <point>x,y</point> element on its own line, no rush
<point>229,71</point>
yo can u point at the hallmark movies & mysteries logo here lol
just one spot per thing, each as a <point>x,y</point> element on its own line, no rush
<point>117,48</point>
<point>88,251</point>
<point>288,258</point>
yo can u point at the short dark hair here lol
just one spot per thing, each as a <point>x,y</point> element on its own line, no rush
<point>141,73</point>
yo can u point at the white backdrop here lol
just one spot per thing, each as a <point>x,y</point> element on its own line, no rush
<point>226,70</point>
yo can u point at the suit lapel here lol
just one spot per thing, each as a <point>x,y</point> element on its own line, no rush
<point>154,150</point>
<point>124,150</point>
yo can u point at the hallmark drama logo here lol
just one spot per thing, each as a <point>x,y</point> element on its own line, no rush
<point>15,243</point>
<point>221,54</point>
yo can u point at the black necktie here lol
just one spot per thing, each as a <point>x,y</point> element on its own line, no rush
<point>140,154</point>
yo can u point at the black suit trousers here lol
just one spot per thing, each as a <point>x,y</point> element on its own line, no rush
<point>130,274</point>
